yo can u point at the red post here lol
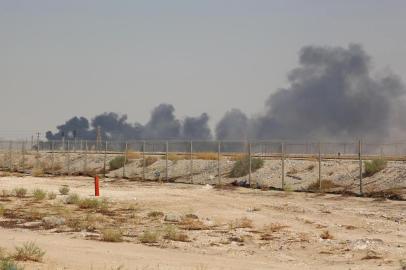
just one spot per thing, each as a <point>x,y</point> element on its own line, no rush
<point>96,186</point>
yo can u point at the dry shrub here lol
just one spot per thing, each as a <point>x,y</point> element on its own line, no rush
<point>188,223</point>
<point>206,156</point>
<point>1,210</point>
<point>326,235</point>
<point>374,166</point>
<point>9,264</point>
<point>20,192</point>
<point>39,194</point>
<point>171,233</point>
<point>5,193</point>
<point>134,155</point>
<point>391,194</point>
<point>241,223</point>
<point>270,229</point>
<point>64,190</point>
<point>51,195</point>
<point>156,214</point>
<point>149,237</point>
<point>149,161</point>
<point>72,199</point>
<point>112,235</point>
<point>37,172</point>
<point>326,185</point>
<point>29,251</point>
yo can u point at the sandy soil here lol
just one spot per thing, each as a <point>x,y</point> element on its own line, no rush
<point>363,233</point>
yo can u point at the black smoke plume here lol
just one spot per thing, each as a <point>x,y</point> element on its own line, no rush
<point>332,94</point>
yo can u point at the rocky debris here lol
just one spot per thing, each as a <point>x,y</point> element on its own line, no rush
<point>53,221</point>
<point>172,217</point>
<point>366,244</point>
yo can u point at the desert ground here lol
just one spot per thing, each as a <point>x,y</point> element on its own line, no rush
<point>185,226</point>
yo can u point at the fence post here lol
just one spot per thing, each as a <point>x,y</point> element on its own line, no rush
<point>249,165</point>
<point>143,160</point>
<point>10,165</point>
<point>104,160</point>
<point>125,158</point>
<point>319,167</point>
<point>218,162</point>
<point>68,157</point>
<point>52,158</point>
<point>360,167</point>
<point>191,162</point>
<point>23,155</point>
<point>283,164</point>
<point>166,162</point>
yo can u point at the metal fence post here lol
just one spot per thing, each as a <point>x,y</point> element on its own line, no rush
<point>319,167</point>
<point>10,156</point>
<point>104,160</point>
<point>85,161</point>
<point>218,162</point>
<point>125,158</point>
<point>52,158</point>
<point>23,155</point>
<point>166,162</point>
<point>68,157</point>
<point>143,160</point>
<point>283,164</point>
<point>249,165</point>
<point>191,162</point>
<point>360,166</point>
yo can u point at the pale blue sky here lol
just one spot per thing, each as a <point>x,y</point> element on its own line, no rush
<point>59,59</point>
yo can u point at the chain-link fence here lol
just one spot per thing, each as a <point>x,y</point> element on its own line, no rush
<point>336,167</point>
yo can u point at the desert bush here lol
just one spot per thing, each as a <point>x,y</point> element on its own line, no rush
<point>241,223</point>
<point>72,199</point>
<point>89,203</point>
<point>51,195</point>
<point>112,235</point>
<point>326,185</point>
<point>171,233</point>
<point>64,190</point>
<point>374,166</point>
<point>37,172</point>
<point>9,264</point>
<point>155,214</point>
<point>149,237</point>
<point>117,163</point>
<point>29,251</point>
<point>39,194</point>
<point>241,167</point>
<point>20,192</point>
<point>188,223</point>
<point>150,160</point>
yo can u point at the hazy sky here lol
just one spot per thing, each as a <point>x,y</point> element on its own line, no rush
<point>59,59</point>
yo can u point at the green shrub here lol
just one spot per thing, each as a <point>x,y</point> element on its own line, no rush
<point>72,199</point>
<point>374,166</point>
<point>64,190</point>
<point>149,237</point>
<point>29,252</point>
<point>117,163</point>
<point>112,235</point>
<point>241,166</point>
<point>89,203</point>
<point>39,194</point>
<point>51,195</point>
<point>8,264</point>
<point>20,192</point>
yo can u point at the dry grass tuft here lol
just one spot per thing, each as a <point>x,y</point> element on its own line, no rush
<point>171,233</point>
<point>29,251</point>
<point>156,214</point>
<point>20,192</point>
<point>39,194</point>
<point>326,185</point>
<point>37,172</point>
<point>188,223</point>
<point>149,237</point>
<point>241,223</point>
<point>270,229</point>
<point>112,235</point>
